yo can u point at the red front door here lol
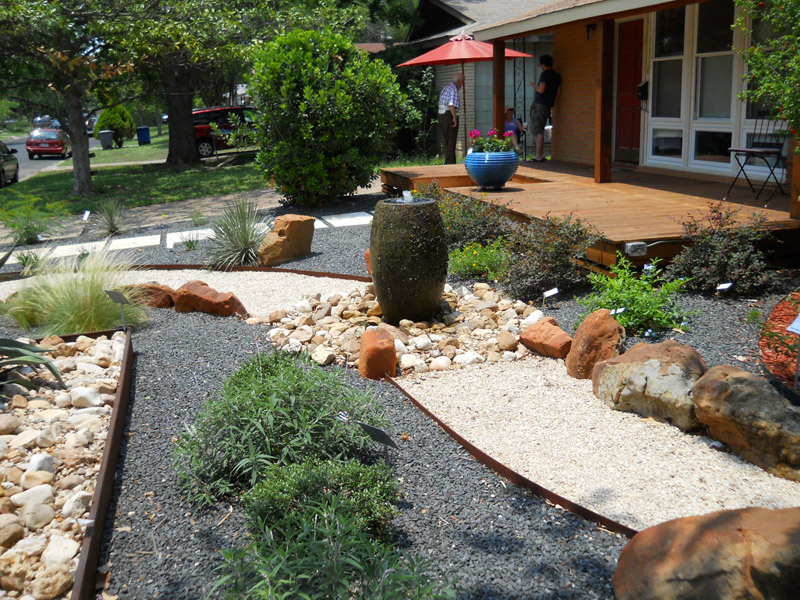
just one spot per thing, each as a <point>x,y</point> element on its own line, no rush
<point>629,75</point>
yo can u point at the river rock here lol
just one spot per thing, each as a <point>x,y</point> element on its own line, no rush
<point>8,424</point>
<point>37,516</point>
<point>51,582</point>
<point>77,504</point>
<point>36,495</point>
<point>24,439</point>
<point>31,479</point>
<point>84,397</point>
<point>60,550</point>
<point>10,535</point>
<point>40,462</point>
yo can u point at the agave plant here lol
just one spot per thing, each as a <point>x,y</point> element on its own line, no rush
<point>238,233</point>
<point>14,354</point>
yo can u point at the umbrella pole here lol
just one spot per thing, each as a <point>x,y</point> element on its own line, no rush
<point>464,87</point>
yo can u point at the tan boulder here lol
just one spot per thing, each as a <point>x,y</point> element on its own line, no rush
<point>733,554</point>
<point>507,341</point>
<point>290,238</point>
<point>155,295</point>
<point>745,412</point>
<point>377,355</point>
<point>598,338</point>
<point>545,337</point>
<point>198,296</point>
<point>652,380</point>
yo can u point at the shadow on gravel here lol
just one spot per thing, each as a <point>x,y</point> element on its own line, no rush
<point>495,544</point>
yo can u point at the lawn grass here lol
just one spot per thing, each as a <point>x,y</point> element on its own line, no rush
<point>157,149</point>
<point>138,186</point>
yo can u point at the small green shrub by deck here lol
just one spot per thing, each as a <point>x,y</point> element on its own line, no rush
<point>648,300</point>
<point>547,253</point>
<point>119,120</point>
<point>323,553</point>
<point>367,493</point>
<point>327,114</point>
<point>723,250</point>
<point>481,262</point>
<point>237,235</point>
<point>68,296</point>
<point>277,408</point>
<point>29,216</point>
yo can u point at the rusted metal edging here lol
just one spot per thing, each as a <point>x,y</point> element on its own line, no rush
<point>86,573</point>
<point>196,267</point>
<point>518,479</point>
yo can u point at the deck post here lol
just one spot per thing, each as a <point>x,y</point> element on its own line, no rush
<point>604,100</point>
<point>794,201</point>
<point>499,83</point>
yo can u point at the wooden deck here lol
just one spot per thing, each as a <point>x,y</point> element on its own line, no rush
<point>636,207</point>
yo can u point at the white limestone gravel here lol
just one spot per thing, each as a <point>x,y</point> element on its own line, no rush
<point>534,418</point>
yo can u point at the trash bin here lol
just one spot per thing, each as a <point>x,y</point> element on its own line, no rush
<point>143,135</point>
<point>106,138</point>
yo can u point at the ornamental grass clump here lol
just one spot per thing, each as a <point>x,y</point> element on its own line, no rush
<point>237,235</point>
<point>110,219</point>
<point>492,142</point>
<point>68,296</point>
<point>276,409</point>
<point>648,300</point>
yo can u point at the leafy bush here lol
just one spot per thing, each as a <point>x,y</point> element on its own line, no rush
<point>277,408</point>
<point>68,296</point>
<point>367,493</point>
<point>119,120</point>
<point>237,235</point>
<point>482,262</point>
<point>14,354</point>
<point>327,111</point>
<point>29,216</point>
<point>548,253</point>
<point>723,250</point>
<point>648,300</point>
<point>467,220</point>
<point>110,219</point>
<point>322,553</point>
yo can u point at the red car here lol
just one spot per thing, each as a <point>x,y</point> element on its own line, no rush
<point>204,138</point>
<point>48,142</point>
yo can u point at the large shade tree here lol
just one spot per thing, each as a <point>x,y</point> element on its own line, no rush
<point>58,45</point>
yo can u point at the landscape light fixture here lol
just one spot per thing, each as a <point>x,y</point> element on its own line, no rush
<point>121,300</point>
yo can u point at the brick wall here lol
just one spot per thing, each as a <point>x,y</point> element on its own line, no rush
<point>575,59</point>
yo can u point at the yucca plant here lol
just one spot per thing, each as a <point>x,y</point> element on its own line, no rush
<point>68,296</point>
<point>7,255</point>
<point>31,261</point>
<point>110,218</point>
<point>14,354</point>
<point>238,233</point>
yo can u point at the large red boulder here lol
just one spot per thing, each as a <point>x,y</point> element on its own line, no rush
<point>377,355</point>
<point>155,295</point>
<point>599,337</point>
<point>545,337</point>
<point>198,296</point>
<point>744,554</point>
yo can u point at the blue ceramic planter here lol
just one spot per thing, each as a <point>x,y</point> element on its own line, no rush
<point>491,169</point>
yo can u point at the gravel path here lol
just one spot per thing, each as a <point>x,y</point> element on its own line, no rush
<point>497,540</point>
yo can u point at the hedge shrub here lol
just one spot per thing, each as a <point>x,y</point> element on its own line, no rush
<point>119,120</point>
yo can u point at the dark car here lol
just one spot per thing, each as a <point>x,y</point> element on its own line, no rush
<point>206,140</point>
<point>9,165</point>
<point>48,142</point>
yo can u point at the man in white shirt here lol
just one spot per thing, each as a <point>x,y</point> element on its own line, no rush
<point>448,117</point>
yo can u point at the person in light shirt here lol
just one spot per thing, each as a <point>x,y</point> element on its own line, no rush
<point>448,117</point>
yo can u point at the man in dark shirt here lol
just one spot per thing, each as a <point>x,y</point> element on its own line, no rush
<point>548,90</point>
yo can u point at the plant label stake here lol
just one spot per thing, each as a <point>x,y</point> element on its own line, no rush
<point>121,300</point>
<point>85,219</point>
<point>617,311</point>
<point>378,435</point>
<point>547,294</point>
<point>724,287</point>
<point>795,328</point>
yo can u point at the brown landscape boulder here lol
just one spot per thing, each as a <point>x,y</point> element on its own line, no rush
<point>751,553</point>
<point>290,238</point>
<point>652,380</point>
<point>545,337</point>
<point>377,355</point>
<point>155,295</point>
<point>198,296</point>
<point>598,338</point>
<point>745,412</point>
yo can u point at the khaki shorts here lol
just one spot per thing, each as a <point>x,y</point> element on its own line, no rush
<point>539,116</point>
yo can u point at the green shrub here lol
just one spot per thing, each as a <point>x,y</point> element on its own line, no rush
<point>548,253</point>
<point>723,250</point>
<point>277,408</point>
<point>197,218</point>
<point>367,493</point>
<point>467,220</point>
<point>481,262</point>
<point>68,296</point>
<point>323,553</point>
<point>327,111</point>
<point>648,300</point>
<point>110,219</point>
<point>119,120</point>
<point>237,235</point>
<point>29,216</point>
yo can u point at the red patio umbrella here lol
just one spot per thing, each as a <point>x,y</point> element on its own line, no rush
<point>460,49</point>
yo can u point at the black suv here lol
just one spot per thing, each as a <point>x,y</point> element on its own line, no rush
<point>205,139</point>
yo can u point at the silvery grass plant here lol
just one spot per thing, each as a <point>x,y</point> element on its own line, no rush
<point>238,233</point>
<point>68,296</point>
<point>110,218</point>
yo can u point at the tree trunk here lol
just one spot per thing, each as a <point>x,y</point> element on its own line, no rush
<point>81,170</point>
<point>179,86</point>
